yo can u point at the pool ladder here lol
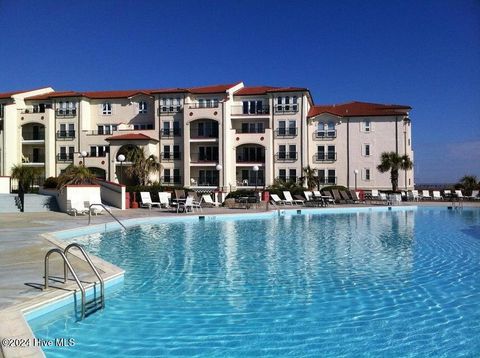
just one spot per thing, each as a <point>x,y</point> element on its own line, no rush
<point>88,307</point>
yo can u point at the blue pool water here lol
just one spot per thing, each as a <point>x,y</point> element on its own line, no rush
<point>384,284</point>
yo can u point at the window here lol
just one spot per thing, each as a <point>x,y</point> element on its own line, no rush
<point>409,142</point>
<point>331,178</point>
<point>366,174</point>
<point>208,102</point>
<point>331,132</point>
<point>292,175</point>
<point>292,151</point>
<point>253,107</point>
<point>292,127</point>
<point>176,176</point>
<point>2,110</point>
<point>166,175</point>
<point>208,177</point>
<point>282,174</point>
<point>98,150</point>
<point>66,108</point>
<point>331,155</point>
<point>207,129</point>
<point>367,126</point>
<point>208,154</point>
<point>66,153</point>
<point>142,126</point>
<point>287,104</point>
<point>66,130</point>
<point>320,153</point>
<point>166,152</point>
<point>106,128</point>
<point>176,152</point>
<point>282,152</point>
<point>282,128</point>
<point>366,150</point>
<point>142,107</point>
<point>106,108</point>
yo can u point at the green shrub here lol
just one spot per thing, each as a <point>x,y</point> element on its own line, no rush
<point>50,183</point>
<point>240,193</point>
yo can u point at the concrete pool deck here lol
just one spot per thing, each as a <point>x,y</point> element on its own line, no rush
<point>23,246</point>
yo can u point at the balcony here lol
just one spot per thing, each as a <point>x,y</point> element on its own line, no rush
<point>204,181</point>
<point>170,133</point>
<point>325,134</point>
<point>101,132</point>
<point>70,112</point>
<point>170,156</point>
<point>203,158</point>
<point>286,108</point>
<point>171,180</point>
<point>33,160</point>
<point>165,110</point>
<point>65,157</point>
<point>286,132</point>
<point>331,180</point>
<point>325,157</point>
<point>65,135</point>
<point>197,105</point>
<point>33,110</point>
<point>286,156</point>
<point>240,110</point>
<point>242,158</point>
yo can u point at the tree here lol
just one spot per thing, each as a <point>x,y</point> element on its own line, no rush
<point>25,176</point>
<point>310,177</point>
<point>394,162</point>
<point>469,182</point>
<point>142,166</point>
<point>74,175</point>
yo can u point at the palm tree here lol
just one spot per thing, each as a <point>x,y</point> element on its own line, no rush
<point>75,175</point>
<point>469,182</point>
<point>142,166</point>
<point>25,176</point>
<point>310,176</point>
<point>394,162</point>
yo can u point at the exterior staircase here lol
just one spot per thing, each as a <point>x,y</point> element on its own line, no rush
<point>8,203</point>
<point>35,203</point>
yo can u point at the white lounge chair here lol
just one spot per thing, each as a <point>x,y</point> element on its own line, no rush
<point>185,205</point>
<point>426,195</point>
<point>436,195</point>
<point>382,197</point>
<point>288,197</point>
<point>76,207</point>
<point>474,195</point>
<point>447,194</point>
<point>413,195</point>
<point>276,200</point>
<point>459,194</point>
<point>147,200</point>
<point>308,195</point>
<point>164,198</point>
<point>207,199</point>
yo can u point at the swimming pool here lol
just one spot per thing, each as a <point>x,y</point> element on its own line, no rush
<point>375,283</point>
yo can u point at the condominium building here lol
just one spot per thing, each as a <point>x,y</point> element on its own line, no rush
<point>222,136</point>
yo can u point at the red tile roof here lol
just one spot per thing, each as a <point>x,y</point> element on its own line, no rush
<point>258,90</point>
<point>59,94</point>
<point>10,94</point>
<point>131,136</point>
<point>114,94</point>
<point>356,109</point>
<point>211,89</point>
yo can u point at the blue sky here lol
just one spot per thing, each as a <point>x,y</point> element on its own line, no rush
<point>422,53</point>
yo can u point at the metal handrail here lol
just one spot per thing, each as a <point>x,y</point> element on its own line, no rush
<point>67,264</point>
<point>92,266</point>
<point>108,211</point>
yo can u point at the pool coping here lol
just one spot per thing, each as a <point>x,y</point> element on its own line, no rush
<point>15,315</point>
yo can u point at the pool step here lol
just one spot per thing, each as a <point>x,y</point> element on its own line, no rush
<point>93,306</point>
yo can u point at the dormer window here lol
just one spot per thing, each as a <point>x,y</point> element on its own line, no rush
<point>107,108</point>
<point>142,107</point>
